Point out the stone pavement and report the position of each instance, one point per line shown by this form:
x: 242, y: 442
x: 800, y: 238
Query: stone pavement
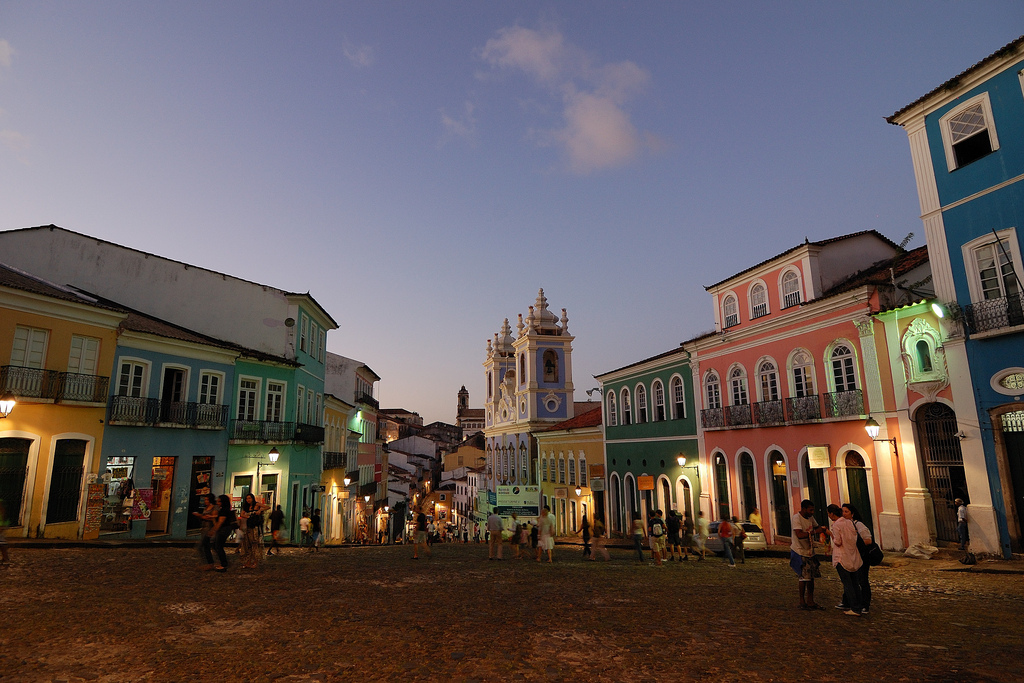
x: 147, y: 614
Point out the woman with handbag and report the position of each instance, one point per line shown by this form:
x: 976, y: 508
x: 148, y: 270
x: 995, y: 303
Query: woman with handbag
x: 221, y: 529
x: 864, y: 540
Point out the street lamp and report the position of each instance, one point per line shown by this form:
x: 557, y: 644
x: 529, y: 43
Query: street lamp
x: 274, y: 454
x: 579, y: 491
x: 7, y: 404
x: 872, y: 428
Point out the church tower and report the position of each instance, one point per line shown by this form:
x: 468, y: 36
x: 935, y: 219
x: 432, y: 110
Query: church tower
x: 463, y: 400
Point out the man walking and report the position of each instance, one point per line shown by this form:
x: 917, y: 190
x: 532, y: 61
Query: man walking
x: 316, y: 533
x: 494, y: 526
x: 657, y: 534
x: 276, y: 522
x: 961, y: 523
x: 801, y: 553
x: 420, y: 538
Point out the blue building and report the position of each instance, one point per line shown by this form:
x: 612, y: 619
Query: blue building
x: 967, y: 144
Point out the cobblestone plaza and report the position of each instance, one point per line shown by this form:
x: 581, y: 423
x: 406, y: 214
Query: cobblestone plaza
x: 148, y: 614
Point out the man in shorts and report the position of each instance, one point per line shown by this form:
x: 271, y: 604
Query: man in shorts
x: 801, y: 553
x: 420, y: 539
x: 673, y: 523
x: 657, y: 531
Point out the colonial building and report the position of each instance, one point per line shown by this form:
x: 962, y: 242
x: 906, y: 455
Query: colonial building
x: 469, y: 420
x: 529, y: 387
x: 967, y: 146
x: 569, y: 451
x: 651, y: 446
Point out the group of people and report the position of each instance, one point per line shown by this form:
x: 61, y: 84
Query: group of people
x: 849, y: 539
x: 219, y: 521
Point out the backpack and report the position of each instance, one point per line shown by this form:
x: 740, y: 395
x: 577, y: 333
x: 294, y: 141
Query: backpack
x: 869, y: 552
x: 656, y: 527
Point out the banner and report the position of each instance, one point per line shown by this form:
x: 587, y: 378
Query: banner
x: 522, y: 500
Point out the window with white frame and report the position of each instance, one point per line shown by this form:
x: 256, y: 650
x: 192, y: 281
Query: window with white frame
x: 29, y: 349
x: 300, y: 404
x: 712, y: 390
x: 730, y: 311
x: 613, y: 415
x: 561, y: 469
x: 209, y: 388
x: 769, y: 379
x: 790, y: 289
x: 658, y: 389
x: 758, y: 300
x: 248, y: 390
x: 304, y: 334
x: 524, y: 464
x: 84, y: 355
x: 803, y: 374
x: 551, y: 466
x: 968, y: 132
x: 678, y: 399
x: 275, y: 402
x: 131, y: 379
x: 738, y: 386
x: 641, y: 404
x: 583, y: 470
x: 994, y: 276
x: 627, y: 408
x: 572, y: 470
x: 844, y: 374
x: 310, y: 407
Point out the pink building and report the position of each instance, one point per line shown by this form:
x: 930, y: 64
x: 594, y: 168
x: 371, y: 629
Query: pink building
x: 807, y: 347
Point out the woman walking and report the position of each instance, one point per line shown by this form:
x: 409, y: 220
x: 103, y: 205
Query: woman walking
x: 546, y: 523
x: 638, y: 538
x: 221, y: 529
x: 208, y: 516
x: 598, y: 541
x: 252, y: 513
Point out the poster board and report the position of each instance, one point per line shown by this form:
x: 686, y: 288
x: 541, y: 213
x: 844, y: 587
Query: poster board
x: 522, y: 500
x: 93, y: 510
x: 143, y: 503
x: 818, y: 457
x: 645, y: 482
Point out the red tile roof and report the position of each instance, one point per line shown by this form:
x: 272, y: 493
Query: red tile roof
x: 591, y: 418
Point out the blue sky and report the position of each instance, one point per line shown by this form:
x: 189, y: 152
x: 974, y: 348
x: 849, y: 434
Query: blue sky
x: 422, y: 168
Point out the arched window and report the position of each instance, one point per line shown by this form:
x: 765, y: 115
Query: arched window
x: 803, y: 374
x: 843, y: 373
x: 790, y: 289
x: 627, y: 408
x: 730, y: 311
x: 641, y: 404
x: 583, y: 470
x: 769, y: 379
x: 522, y: 365
x: 613, y: 414
x: 758, y: 300
x: 490, y: 385
x: 738, y: 386
x: 678, y: 399
x: 924, y: 356
x: 561, y: 469
x: 572, y: 470
x: 722, y: 486
x: 712, y: 390
x: 659, y: 400
x: 550, y: 366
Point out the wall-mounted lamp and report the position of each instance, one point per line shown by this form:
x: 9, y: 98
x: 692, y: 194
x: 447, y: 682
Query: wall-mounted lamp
x: 590, y: 392
x: 347, y: 481
x: 273, y: 455
x: 579, y: 491
x: 872, y: 428
x: 7, y: 404
x: 938, y: 310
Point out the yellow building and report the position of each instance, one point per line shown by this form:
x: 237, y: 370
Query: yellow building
x: 567, y: 450
x: 341, y: 451
x: 56, y: 356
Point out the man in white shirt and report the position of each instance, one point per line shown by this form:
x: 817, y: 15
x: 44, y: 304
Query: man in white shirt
x: 801, y: 553
x: 494, y: 526
x: 961, y: 523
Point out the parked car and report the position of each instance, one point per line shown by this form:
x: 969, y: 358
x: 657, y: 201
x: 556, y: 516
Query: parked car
x: 755, y: 539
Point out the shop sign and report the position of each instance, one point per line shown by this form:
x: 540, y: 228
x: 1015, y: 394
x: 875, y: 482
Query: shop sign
x: 818, y: 458
x: 522, y: 500
x: 597, y: 471
x: 561, y: 493
x: 645, y: 482
x: 597, y: 485
x: 94, y: 510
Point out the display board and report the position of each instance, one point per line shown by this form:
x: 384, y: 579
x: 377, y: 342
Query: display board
x: 522, y: 500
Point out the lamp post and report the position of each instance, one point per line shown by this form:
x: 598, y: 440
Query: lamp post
x: 273, y: 455
x: 7, y: 404
x: 872, y: 428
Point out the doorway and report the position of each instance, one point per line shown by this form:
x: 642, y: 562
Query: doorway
x: 943, y: 465
x: 172, y: 398
x: 815, y: 478
x: 162, y: 483
x: 780, y: 495
x: 1013, y: 441
x: 722, y: 486
x: 199, y: 488
x: 857, y: 488
x: 748, y: 486
x: 13, y: 472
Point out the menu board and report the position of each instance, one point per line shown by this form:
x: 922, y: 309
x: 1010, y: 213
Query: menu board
x: 202, y: 473
x: 94, y: 510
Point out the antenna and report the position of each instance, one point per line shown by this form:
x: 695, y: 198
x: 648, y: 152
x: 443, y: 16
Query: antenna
x: 906, y: 240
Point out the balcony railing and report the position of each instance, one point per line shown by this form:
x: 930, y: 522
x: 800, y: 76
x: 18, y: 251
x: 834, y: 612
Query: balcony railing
x: 787, y: 411
x: 769, y: 413
x: 154, y: 412
x: 51, y: 384
x: 994, y: 314
x: 334, y: 460
x: 262, y: 430
x: 363, y: 397
x: 844, y: 403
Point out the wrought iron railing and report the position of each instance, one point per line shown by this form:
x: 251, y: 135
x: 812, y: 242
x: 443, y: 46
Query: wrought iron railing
x: 51, y: 384
x: 309, y: 433
x: 738, y: 415
x: 994, y: 314
x: 803, y: 408
x: 363, y: 397
x: 334, y: 460
x: 710, y: 418
x: 769, y: 413
x: 844, y: 403
x: 261, y: 430
x: 154, y: 412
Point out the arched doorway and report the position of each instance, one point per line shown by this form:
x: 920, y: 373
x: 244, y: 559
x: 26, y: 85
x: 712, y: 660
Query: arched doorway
x: 748, y: 486
x: 684, y: 497
x: 1012, y: 436
x: 665, y: 502
x: 632, y: 504
x: 722, y: 486
x: 943, y: 465
x: 616, y: 503
x: 857, y: 487
x: 815, y: 478
x: 780, y: 495
x: 13, y: 471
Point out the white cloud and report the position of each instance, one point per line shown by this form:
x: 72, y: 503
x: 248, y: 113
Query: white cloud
x: 6, y: 53
x: 462, y: 127
x: 598, y: 132
x: 358, y: 55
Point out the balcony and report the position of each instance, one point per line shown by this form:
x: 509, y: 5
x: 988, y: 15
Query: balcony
x: 152, y: 412
x: 797, y: 410
x: 994, y: 314
x: 334, y: 460
x: 363, y: 397
x: 262, y: 430
x: 53, y: 385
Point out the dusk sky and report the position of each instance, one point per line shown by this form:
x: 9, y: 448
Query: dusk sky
x: 422, y: 168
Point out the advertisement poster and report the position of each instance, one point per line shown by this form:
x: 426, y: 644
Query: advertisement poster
x: 522, y: 500
x: 202, y: 470
x: 143, y: 503
x: 93, y: 510
x: 817, y: 457
x: 645, y: 482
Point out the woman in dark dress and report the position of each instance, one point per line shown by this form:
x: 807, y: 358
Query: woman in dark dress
x: 221, y: 529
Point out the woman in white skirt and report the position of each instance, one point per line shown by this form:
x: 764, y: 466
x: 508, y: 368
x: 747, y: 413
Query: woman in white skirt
x: 546, y: 526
